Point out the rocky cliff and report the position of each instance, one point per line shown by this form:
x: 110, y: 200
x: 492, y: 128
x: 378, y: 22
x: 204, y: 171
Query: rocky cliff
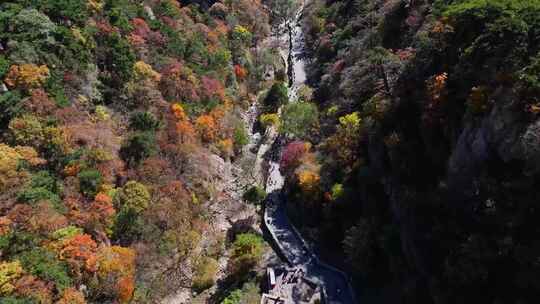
x: 434, y: 198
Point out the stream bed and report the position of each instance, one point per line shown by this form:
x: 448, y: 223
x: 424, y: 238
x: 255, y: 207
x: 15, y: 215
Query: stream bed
x: 335, y: 284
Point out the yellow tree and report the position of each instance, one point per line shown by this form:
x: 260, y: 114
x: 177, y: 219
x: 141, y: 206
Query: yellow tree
x: 9, y: 272
x: 206, y: 126
x: 345, y: 143
x: 144, y: 71
x: 10, y: 157
x: 116, y: 272
x: 27, y: 76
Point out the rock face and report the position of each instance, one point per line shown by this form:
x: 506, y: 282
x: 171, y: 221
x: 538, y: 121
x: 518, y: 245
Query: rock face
x: 497, y: 135
x: 450, y: 153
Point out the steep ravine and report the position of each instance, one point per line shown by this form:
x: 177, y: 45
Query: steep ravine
x: 334, y: 283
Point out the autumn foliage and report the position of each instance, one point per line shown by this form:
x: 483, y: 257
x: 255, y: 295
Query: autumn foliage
x: 116, y: 269
x: 240, y: 72
x: 308, y: 181
x: 80, y: 252
x: 27, y: 76
x: 112, y: 116
x: 207, y: 128
x: 178, y: 111
x: 9, y: 273
x: 72, y: 296
x: 292, y: 155
x: 178, y: 82
x: 144, y: 71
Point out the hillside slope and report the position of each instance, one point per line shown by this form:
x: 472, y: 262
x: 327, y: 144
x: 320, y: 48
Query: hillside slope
x: 421, y: 171
x: 120, y: 125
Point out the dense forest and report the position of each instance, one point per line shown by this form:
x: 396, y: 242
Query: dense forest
x: 137, y: 138
x: 117, y: 118
x: 421, y: 170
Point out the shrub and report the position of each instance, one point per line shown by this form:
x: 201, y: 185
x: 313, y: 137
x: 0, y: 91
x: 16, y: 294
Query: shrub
x: 4, y: 66
x: 292, y: 155
x: 12, y: 300
x: 205, y: 272
x: 275, y: 98
x: 308, y: 181
x: 331, y: 111
x: 206, y: 125
x: 12, y: 164
x: 27, y: 130
x: 102, y: 113
x: 271, y: 119
x: 118, y: 58
x: 530, y: 76
x: 177, y: 43
x: 89, y: 182
x: 27, y: 76
x: 144, y: 121
x: 247, y: 250
x: 240, y: 72
x: 79, y: 251
x: 178, y: 111
x: 219, y: 10
x: 241, y: 34
x: 143, y: 71
x: 17, y: 242
x: 254, y: 195
x: 77, y: 49
x: 225, y: 147
x: 44, y: 264
x: 345, y: 142
x: 72, y: 296
x: 9, y: 272
x: 95, y: 5
x: 128, y: 226
x: 359, y: 246
x: 10, y: 103
x: 133, y: 196
x: 336, y: 191
x: 350, y: 121
x: 118, y: 16
x: 55, y: 88
x: 168, y: 8
x: 219, y: 59
x: 97, y: 155
x: 35, y: 195
x: 116, y: 271
x: 233, y: 298
x: 299, y: 119
x: 30, y: 24
x: 138, y: 147
x: 66, y: 232
x: 249, y: 294
x: 305, y: 93
x: 45, y: 180
x: 240, y: 136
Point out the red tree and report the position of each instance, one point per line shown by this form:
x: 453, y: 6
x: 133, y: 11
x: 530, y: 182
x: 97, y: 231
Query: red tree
x: 178, y: 82
x: 240, y: 72
x: 292, y: 155
x: 211, y: 87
